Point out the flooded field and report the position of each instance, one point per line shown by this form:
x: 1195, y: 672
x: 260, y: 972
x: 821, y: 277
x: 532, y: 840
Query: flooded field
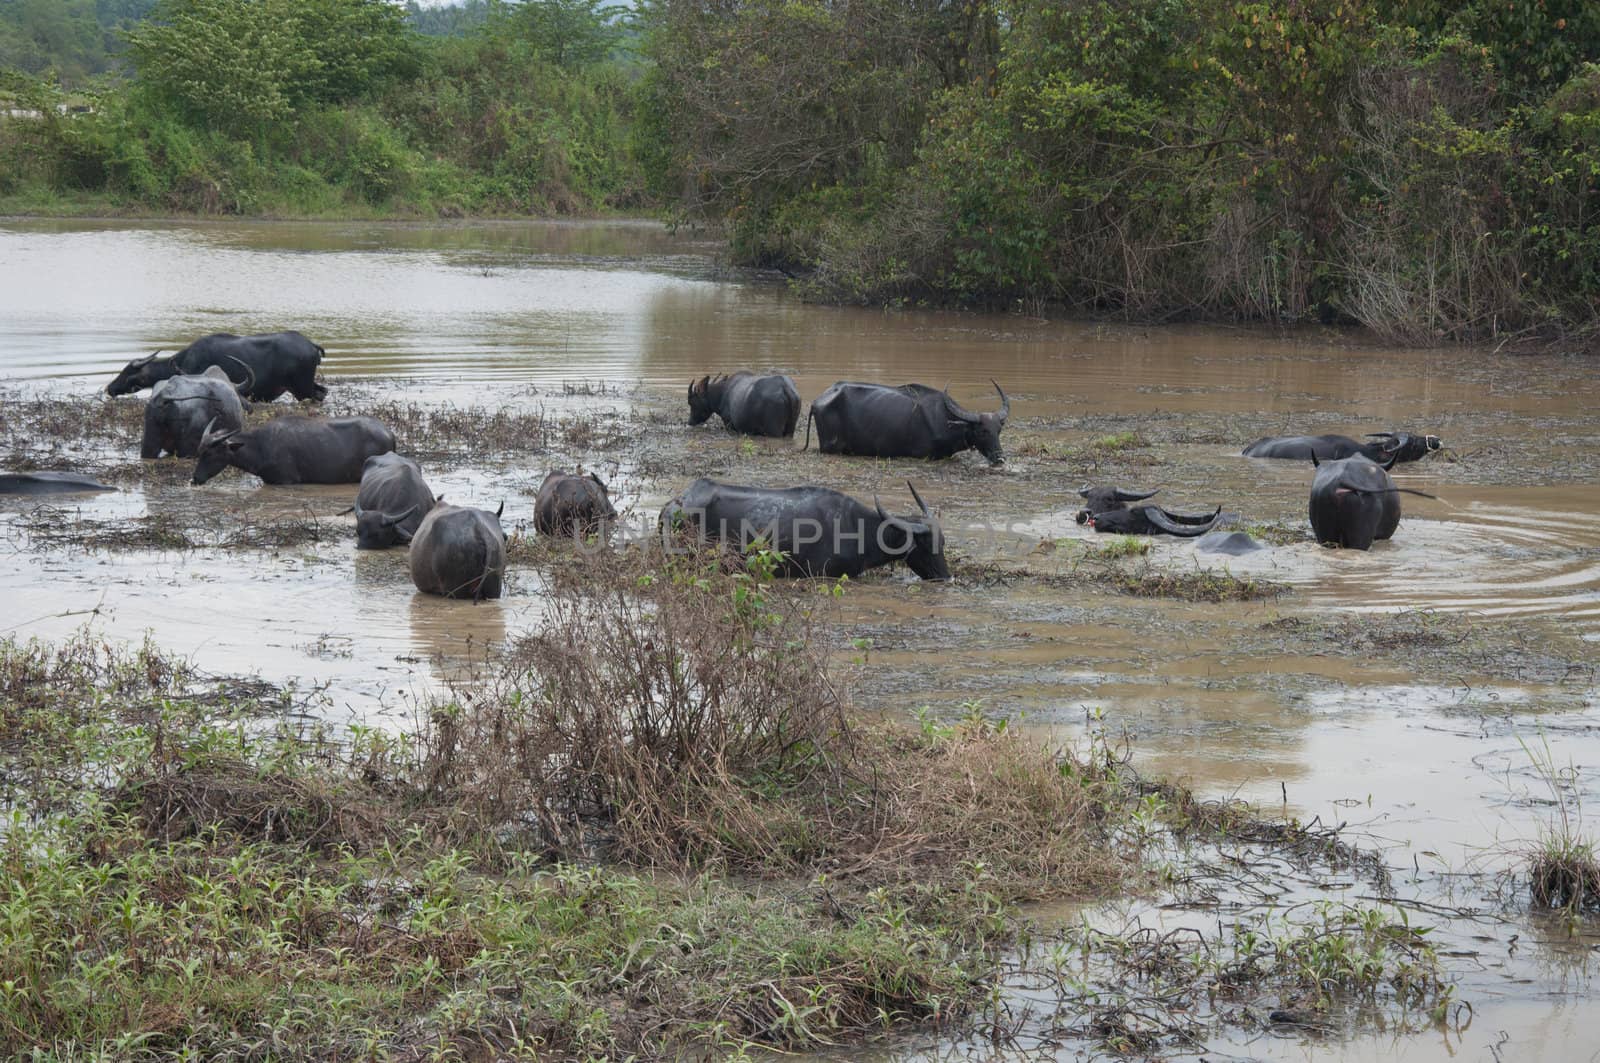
x: 1439, y: 694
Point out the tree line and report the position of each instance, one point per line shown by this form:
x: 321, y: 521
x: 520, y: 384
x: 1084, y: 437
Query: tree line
x: 1429, y: 169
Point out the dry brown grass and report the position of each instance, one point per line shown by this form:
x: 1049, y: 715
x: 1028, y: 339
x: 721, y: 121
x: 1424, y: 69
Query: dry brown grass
x: 315, y: 813
x: 677, y: 714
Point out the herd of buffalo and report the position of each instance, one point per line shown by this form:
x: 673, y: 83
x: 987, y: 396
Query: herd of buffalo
x: 197, y: 410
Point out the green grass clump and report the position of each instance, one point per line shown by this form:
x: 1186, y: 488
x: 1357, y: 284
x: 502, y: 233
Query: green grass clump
x: 183, y: 874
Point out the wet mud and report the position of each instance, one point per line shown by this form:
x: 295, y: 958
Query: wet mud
x: 1409, y: 692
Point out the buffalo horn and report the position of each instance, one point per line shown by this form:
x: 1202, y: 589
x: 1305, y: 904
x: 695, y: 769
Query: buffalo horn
x: 147, y: 360
x: 356, y: 509
x: 1181, y: 526
x: 1132, y: 496
x: 209, y: 438
x: 389, y: 522
x: 1380, y: 435
x: 877, y: 504
x: 920, y: 503
x: 1005, y: 403
x: 244, y: 391
x: 501, y: 510
x: 956, y: 412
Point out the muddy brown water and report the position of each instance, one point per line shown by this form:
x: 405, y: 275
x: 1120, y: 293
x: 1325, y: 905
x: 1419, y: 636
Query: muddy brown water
x: 1406, y: 691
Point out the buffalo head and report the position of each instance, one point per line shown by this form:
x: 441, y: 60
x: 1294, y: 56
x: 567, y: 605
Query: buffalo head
x: 216, y: 452
x: 1099, y: 500
x: 701, y: 405
x: 1404, y: 446
x: 141, y: 373
x: 376, y: 529
x: 923, y: 551
x: 983, y: 429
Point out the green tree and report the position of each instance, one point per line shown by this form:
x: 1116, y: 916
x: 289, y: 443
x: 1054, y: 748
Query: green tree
x: 569, y: 33
x: 238, y: 65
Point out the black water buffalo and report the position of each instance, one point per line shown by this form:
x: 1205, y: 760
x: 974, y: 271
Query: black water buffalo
x: 296, y: 450
x: 819, y: 531
x: 1353, y: 503
x: 1106, y: 509
x: 48, y: 483
x: 459, y: 552
x: 572, y: 504
x: 755, y: 405
x: 269, y: 365
x: 1390, y: 447
x: 1153, y: 520
x: 909, y: 421
x: 182, y: 406
x: 391, y: 503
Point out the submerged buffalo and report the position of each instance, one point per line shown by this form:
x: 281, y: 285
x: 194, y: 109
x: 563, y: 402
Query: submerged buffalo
x: 1106, y: 509
x: 295, y: 450
x: 48, y: 483
x: 820, y: 532
x: 1387, y: 448
x: 1353, y: 503
x: 182, y: 406
x: 755, y: 405
x: 572, y: 504
x: 1233, y: 544
x: 268, y: 365
x: 909, y: 421
x: 391, y: 503
x: 459, y: 552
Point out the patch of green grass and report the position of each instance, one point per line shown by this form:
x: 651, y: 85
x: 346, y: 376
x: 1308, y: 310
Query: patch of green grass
x: 1201, y: 585
x: 1120, y: 546
x: 182, y: 874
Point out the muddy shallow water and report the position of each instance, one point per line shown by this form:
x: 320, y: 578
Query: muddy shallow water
x: 1400, y: 690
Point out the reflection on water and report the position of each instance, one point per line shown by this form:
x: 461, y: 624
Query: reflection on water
x: 504, y: 314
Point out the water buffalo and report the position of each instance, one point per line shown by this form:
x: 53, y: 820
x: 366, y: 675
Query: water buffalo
x: 1233, y: 544
x: 48, y: 483
x: 276, y: 362
x: 910, y: 421
x: 295, y: 450
x: 1153, y: 520
x: 182, y: 406
x: 1389, y: 448
x: 819, y: 531
x: 459, y: 552
x: 574, y: 505
x: 1353, y: 503
x: 1106, y: 499
x: 755, y: 405
x: 1106, y: 509
x: 391, y: 503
